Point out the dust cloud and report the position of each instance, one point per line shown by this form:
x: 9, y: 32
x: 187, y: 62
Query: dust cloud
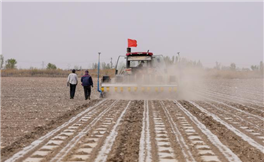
x: 187, y: 81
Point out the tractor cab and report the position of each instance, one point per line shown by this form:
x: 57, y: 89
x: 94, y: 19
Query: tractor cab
x: 136, y: 61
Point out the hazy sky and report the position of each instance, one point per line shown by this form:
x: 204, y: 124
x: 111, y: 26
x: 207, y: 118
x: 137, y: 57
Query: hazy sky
x: 72, y: 33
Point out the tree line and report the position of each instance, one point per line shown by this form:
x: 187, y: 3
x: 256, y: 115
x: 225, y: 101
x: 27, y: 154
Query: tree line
x: 233, y: 67
x: 197, y: 64
x: 11, y: 64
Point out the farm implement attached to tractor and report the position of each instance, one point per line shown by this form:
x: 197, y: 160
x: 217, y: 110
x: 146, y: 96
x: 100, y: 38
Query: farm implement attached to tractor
x: 138, y: 72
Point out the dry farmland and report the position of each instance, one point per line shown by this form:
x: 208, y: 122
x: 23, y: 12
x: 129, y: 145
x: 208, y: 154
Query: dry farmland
x: 223, y: 122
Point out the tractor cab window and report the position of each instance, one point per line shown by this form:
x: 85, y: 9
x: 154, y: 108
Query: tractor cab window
x: 138, y: 61
x: 121, y: 65
x: 139, y: 64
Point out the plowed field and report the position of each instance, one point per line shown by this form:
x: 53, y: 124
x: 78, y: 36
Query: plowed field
x: 40, y: 123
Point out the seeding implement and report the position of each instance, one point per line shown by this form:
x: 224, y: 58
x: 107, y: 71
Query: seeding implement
x: 138, y: 72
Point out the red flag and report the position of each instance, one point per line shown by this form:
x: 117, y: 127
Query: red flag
x: 132, y: 43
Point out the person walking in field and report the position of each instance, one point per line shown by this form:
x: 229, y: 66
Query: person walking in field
x: 87, y: 83
x: 72, y: 82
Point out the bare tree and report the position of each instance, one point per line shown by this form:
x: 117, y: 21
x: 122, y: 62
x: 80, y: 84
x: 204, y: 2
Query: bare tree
x: 217, y: 65
x: 1, y: 61
x: 254, y: 67
x: 261, y: 67
x: 232, y: 66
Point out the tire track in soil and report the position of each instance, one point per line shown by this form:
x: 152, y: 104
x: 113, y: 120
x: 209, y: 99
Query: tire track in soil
x: 126, y: 144
x: 241, y: 148
x: 19, y: 146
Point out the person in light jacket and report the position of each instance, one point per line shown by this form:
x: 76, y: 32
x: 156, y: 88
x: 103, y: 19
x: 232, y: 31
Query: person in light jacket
x: 87, y: 83
x: 72, y: 82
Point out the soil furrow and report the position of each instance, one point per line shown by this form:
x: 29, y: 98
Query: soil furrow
x: 88, y: 147
x: 47, y: 131
x: 229, y: 96
x: 208, y: 139
x: 241, y: 148
x: 54, y: 144
x: 237, y: 110
x: 167, y: 143
x: 256, y: 110
x: 80, y: 134
x: 252, y: 128
x: 145, y: 143
x: 126, y: 145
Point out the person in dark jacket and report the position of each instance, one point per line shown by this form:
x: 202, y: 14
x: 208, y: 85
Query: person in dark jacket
x: 87, y: 83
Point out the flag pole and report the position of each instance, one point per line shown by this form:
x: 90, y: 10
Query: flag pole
x: 98, y: 75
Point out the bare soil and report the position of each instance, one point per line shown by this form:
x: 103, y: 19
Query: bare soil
x: 240, y: 147
x: 126, y: 146
x: 30, y: 107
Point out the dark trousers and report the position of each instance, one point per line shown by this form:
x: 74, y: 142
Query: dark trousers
x: 87, y: 91
x: 72, y: 90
